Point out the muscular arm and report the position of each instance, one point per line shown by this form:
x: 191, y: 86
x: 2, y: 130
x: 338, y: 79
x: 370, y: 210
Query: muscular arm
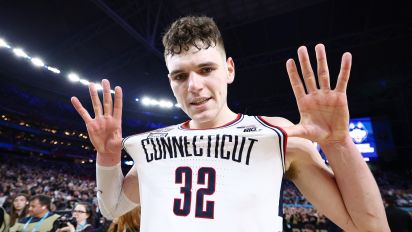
x: 324, y: 118
x: 347, y: 193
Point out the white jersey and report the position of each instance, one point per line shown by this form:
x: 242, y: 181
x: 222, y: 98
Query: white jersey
x: 221, y: 179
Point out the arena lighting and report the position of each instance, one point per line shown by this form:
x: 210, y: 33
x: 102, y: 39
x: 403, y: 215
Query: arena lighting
x: 146, y: 101
x: 98, y: 86
x: 53, y: 69
x: 73, y: 77
x: 20, y: 53
x: 37, y: 62
x: 85, y: 82
x: 128, y: 162
x: 4, y: 44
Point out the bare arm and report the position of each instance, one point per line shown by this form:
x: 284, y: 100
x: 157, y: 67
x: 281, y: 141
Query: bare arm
x: 325, y: 119
x: 116, y: 194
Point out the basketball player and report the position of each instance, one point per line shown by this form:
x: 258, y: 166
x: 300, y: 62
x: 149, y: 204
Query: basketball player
x: 222, y: 171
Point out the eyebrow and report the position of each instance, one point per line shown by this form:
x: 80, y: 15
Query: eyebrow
x: 206, y: 64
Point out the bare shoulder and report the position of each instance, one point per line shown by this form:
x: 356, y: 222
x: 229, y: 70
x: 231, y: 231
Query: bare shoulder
x: 299, y: 151
x: 278, y: 121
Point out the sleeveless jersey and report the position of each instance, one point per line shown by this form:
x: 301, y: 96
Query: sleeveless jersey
x: 221, y: 179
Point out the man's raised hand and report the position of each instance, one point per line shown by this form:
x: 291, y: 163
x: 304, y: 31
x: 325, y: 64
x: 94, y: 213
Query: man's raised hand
x: 324, y: 114
x: 105, y: 129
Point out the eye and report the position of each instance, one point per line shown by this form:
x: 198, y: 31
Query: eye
x: 179, y: 77
x: 206, y: 70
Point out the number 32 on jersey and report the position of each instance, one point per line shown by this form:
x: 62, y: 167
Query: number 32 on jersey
x: 205, y: 176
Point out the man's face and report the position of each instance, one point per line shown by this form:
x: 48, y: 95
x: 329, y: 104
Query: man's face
x: 199, y: 80
x: 36, y: 209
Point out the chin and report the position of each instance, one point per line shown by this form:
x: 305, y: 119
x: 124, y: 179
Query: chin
x: 202, y: 117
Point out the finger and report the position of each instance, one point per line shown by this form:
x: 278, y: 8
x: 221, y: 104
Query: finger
x: 323, y: 70
x: 81, y: 110
x: 307, y: 71
x: 344, y: 73
x: 97, y: 105
x: 118, y: 103
x: 107, y: 98
x: 294, y: 131
x: 297, y: 86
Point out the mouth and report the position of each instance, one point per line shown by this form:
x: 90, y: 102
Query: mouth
x: 200, y: 101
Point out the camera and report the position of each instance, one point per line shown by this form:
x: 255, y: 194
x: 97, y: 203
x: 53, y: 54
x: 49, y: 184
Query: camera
x: 64, y: 219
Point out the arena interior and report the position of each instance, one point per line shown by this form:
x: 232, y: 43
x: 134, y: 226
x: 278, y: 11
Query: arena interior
x: 50, y: 51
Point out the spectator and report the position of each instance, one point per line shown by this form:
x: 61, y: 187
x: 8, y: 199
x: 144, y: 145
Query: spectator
x: 84, y: 215
x: 40, y: 219
x: 4, y: 220
x: 398, y: 219
x: 19, y: 209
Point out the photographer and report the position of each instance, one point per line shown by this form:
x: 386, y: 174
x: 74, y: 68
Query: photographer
x: 83, y: 216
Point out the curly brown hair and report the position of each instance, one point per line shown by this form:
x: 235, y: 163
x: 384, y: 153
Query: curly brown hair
x: 198, y: 31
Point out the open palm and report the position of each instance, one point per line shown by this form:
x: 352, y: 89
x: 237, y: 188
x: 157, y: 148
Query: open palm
x: 105, y: 129
x: 324, y: 114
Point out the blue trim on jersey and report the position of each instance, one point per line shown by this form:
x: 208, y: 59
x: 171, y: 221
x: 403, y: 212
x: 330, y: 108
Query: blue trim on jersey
x: 281, y: 135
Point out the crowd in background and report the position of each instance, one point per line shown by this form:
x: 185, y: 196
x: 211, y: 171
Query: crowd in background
x: 67, y: 183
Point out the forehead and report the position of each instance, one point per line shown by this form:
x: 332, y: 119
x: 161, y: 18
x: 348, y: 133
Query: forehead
x: 20, y: 198
x: 80, y: 207
x: 35, y: 202
x: 194, y: 57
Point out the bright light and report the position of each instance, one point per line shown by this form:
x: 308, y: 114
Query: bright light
x: 146, y: 101
x: 165, y: 104
x: 137, y: 99
x: 73, y: 77
x: 111, y: 91
x: 37, y: 62
x: 55, y: 70
x: 98, y: 86
x: 20, y: 53
x: 366, y: 159
x: 177, y: 105
x: 84, y: 82
x: 128, y: 162
x: 154, y: 102
x: 4, y: 43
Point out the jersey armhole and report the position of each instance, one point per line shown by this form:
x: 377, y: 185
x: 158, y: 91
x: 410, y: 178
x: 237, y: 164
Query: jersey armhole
x: 283, y: 138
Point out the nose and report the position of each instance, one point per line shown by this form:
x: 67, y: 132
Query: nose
x: 195, y: 83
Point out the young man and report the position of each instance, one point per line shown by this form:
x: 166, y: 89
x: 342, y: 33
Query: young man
x: 222, y: 171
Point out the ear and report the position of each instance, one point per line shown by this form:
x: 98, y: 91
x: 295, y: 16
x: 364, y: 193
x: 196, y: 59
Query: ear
x: 230, y: 70
x: 43, y: 207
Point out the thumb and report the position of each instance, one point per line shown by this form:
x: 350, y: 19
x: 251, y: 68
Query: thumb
x: 294, y: 131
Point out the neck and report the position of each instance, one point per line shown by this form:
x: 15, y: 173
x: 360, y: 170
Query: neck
x: 223, y: 118
x: 42, y: 214
x: 82, y: 223
x: 19, y: 211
